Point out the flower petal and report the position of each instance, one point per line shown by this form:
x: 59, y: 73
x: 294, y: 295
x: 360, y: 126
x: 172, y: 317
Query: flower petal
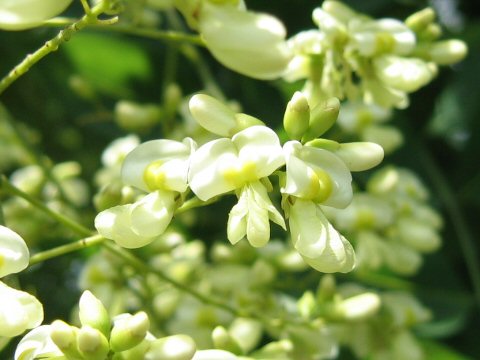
x: 14, y: 255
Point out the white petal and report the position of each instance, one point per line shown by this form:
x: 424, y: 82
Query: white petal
x: 24, y: 14
x: 14, y: 255
x: 237, y: 222
x: 19, y: 311
x: 138, y: 159
x: 212, y: 115
x: 214, y: 355
x: 115, y: 224
x: 151, y: 215
x: 36, y: 343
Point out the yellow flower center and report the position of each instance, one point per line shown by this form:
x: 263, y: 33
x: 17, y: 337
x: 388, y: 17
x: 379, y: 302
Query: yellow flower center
x: 2, y: 260
x: 154, y: 176
x: 384, y: 42
x: 320, y: 186
x: 240, y: 174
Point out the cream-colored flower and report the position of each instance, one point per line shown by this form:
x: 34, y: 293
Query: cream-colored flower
x: 25, y: 14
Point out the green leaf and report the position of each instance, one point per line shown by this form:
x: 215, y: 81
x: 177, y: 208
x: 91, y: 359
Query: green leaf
x: 109, y: 63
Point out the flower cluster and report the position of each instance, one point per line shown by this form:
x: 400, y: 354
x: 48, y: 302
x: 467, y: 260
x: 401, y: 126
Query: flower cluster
x: 391, y: 224
x: 389, y: 57
x: 317, y: 173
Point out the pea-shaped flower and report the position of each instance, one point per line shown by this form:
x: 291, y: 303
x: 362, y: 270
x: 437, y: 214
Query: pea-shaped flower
x: 250, y: 43
x: 239, y: 163
x: 19, y: 310
x: 25, y: 14
x: 159, y: 167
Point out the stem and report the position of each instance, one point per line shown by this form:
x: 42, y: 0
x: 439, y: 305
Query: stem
x: 52, y: 45
x: 65, y: 249
x: 194, y: 203
x: 13, y: 190
x: 143, y: 267
x: 467, y: 243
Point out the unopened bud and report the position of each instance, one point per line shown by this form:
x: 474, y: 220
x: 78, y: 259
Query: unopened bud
x: 212, y: 115
x: 246, y: 332
x: 360, y: 156
x: 448, y: 52
x: 326, y: 289
x: 65, y: 337
x: 297, y: 116
x: 222, y: 340
x: 176, y: 347
x: 307, y: 304
x: 357, y: 307
x: 171, y: 99
x: 421, y: 19
x: 93, y: 313
x: 92, y: 344
x: 322, y: 118
x: 244, y: 121
x: 418, y: 235
x: 129, y: 331
x: 132, y: 116
x: 431, y: 33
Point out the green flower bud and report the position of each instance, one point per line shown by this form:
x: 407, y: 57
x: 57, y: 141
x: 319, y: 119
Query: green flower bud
x: 171, y: 99
x: 65, y: 337
x: 244, y: 121
x: 388, y: 137
x: 307, y: 305
x: 176, y: 347
x: 326, y: 144
x: 93, y: 313
x: 447, y: 52
x: 326, y: 289
x: 262, y: 272
x: 360, y: 156
x: 132, y: 116
x: 109, y: 196
x: 274, y: 350
x: 418, y: 235
x: 431, y: 33
x: 246, y: 332
x: 212, y: 114
x: 421, y: 19
x: 322, y: 117
x: 297, y: 116
x: 92, y: 344
x: 357, y: 307
x: 129, y: 331
x: 222, y: 340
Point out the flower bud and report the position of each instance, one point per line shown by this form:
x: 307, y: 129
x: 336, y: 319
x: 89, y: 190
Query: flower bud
x: 322, y: 117
x: 359, y: 307
x: 244, y: 121
x: 431, y: 33
x: 421, y: 19
x: 93, y: 313
x: 297, y: 116
x: 214, y: 355
x: 65, y: 337
x: 307, y: 305
x: 447, y: 52
x: 20, y: 15
x: 405, y: 74
x: 212, y: 115
x: 275, y: 350
x: 172, y: 97
x: 222, y: 340
x: 388, y: 137
x: 132, y: 116
x: 360, y: 156
x: 246, y: 332
x: 176, y: 347
x: 92, y: 344
x: 418, y: 235
x: 129, y: 331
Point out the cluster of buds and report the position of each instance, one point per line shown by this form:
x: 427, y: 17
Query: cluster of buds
x: 317, y: 173
x: 391, y: 224
x: 390, y: 58
x: 125, y: 337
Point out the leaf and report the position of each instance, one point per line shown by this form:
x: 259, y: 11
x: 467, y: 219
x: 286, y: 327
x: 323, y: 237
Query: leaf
x: 110, y: 63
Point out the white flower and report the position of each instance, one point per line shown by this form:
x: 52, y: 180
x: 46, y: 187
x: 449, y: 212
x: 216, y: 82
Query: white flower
x: 19, y: 311
x: 214, y: 355
x: 24, y: 14
x: 138, y: 224
x: 159, y: 164
x: 116, y: 151
x: 37, y: 343
x: 14, y: 255
x: 224, y: 165
x: 318, y: 175
x: 250, y: 43
x: 320, y: 245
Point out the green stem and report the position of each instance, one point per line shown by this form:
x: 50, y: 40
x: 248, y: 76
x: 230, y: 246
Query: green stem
x: 43, y: 162
x: 465, y: 238
x: 194, y: 203
x: 65, y: 249
x: 9, y: 188
x: 53, y: 44
x: 143, y: 267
